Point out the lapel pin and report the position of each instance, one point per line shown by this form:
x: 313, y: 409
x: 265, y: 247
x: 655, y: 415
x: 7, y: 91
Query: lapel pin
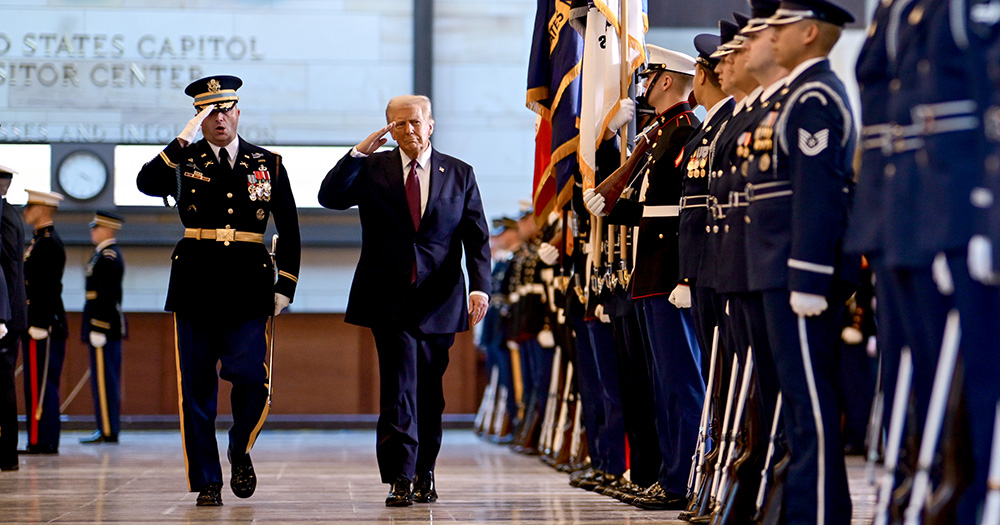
x: 441, y: 169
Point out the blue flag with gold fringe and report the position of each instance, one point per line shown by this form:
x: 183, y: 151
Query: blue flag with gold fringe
x: 554, y: 94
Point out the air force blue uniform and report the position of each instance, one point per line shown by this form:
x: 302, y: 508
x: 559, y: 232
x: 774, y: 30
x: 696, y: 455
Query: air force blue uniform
x: 798, y: 203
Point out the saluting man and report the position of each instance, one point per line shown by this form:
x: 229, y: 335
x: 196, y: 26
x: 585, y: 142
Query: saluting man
x: 103, y: 324
x: 222, y: 288
x: 45, y: 342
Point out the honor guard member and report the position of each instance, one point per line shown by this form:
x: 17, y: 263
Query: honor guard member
x: 670, y: 344
x: 911, y: 310
x: 103, y: 325
x: 45, y: 342
x: 13, y: 318
x: 797, y: 214
x: 222, y: 283
x: 691, y: 292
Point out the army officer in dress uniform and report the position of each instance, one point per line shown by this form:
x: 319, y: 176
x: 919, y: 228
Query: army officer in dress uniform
x: 45, y: 342
x: 103, y: 324
x: 222, y: 281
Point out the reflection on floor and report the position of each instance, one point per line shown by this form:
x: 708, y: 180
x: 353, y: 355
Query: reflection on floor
x: 311, y: 476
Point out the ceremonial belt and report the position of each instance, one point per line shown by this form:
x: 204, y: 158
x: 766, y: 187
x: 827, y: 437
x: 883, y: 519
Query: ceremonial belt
x: 929, y: 119
x: 767, y: 190
x: 533, y: 288
x: 694, y: 201
x: 661, y: 211
x: 737, y: 199
x: 222, y: 235
x: 891, y: 138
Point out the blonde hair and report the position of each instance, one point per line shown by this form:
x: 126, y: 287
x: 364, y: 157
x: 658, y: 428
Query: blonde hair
x: 409, y: 100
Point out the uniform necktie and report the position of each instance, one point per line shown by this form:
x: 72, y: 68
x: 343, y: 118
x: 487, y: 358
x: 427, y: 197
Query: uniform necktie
x: 413, y: 194
x: 224, y: 160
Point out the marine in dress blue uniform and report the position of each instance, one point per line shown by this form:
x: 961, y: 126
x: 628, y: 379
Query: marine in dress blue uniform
x: 797, y: 214
x: 103, y: 325
x: 13, y: 318
x: 44, y: 343
x: 222, y: 287
x: 669, y: 343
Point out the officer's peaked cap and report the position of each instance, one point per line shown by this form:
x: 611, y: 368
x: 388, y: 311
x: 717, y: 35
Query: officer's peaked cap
x: 219, y: 90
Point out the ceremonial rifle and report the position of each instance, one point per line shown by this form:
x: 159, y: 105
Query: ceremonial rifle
x: 991, y: 511
x: 894, y: 440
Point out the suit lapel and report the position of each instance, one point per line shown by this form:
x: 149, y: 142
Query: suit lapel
x: 438, y: 172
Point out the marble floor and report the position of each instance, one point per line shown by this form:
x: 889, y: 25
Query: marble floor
x: 311, y: 477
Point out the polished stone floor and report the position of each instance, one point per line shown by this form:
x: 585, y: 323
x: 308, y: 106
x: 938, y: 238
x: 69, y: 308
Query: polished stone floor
x: 310, y: 477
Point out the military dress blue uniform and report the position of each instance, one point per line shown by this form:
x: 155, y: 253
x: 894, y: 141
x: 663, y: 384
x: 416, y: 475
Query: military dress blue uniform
x: 911, y: 310
x: 692, y: 234
x: 44, y: 262
x: 953, y: 170
x: 222, y: 283
x: 670, y: 344
x: 798, y: 202
x: 14, y: 313
x: 102, y: 313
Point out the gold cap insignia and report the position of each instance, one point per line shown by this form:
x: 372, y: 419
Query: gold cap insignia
x: 214, y: 86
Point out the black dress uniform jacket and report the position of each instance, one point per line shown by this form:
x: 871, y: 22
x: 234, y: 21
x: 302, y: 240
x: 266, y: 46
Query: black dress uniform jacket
x: 44, y: 262
x: 692, y: 236
x: 103, y: 310
x: 13, y: 312
x: 657, y: 256
x: 219, y: 277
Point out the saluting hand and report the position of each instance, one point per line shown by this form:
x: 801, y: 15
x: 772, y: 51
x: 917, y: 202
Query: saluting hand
x: 191, y: 129
x: 477, y: 308
x: 375, y: 141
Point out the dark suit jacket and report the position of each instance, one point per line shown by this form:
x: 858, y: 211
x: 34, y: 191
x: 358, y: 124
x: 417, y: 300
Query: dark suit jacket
x: 381, y: 294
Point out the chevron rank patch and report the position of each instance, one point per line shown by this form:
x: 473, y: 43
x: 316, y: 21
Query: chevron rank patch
x: 813, y: 143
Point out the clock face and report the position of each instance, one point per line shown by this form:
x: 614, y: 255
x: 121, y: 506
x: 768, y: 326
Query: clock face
x: 82, y: 175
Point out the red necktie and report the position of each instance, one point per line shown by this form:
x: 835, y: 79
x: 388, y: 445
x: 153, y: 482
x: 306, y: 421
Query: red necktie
x: 413, y: 194
x: 413, y: 199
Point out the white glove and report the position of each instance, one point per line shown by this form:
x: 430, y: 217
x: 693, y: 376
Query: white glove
x: 851, y: 335
x: 280, y: 302
x: 942, y: 274
x: 546, y: 339
x: 624, y: 115
x: 548, y: 253
x: 37, y: 333
x: 807, y: 304
x: 193, y: 125
x: 681, y: 296
x: 981, y: 259
x: 98, y: 340
x: 599, y: 313
x: 3, y: 330
x: 594, y: 202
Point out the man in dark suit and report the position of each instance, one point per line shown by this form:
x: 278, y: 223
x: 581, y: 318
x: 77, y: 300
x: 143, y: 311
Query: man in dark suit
x: 45, y: 341
x: 420, y: 210
x: 13, y: 318
x: 222, y: 280
x: 103, y: 324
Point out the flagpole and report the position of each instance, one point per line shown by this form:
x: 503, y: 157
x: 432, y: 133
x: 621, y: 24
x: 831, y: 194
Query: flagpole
x: 626, y: 77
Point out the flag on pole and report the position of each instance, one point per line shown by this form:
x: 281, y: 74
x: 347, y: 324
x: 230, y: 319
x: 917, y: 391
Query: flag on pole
x: 554, y: 94
x: 602, y: 71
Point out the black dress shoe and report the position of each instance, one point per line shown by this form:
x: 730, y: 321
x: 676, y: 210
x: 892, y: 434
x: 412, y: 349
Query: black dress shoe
x: 399, y: 493
x: 243, y: 480
x: 423, y: 488
x: 655, y: 498
x: 99, y: 438
x: 11, y: 466
x: 210, y: 496
x: 39, y: 449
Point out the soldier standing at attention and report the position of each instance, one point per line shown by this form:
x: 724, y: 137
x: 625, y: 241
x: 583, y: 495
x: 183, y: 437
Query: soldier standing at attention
x: 222, y: 289
x: 799, y: 197
x: 104, y: 324
x: 13, y: 318
x: 45, y: 342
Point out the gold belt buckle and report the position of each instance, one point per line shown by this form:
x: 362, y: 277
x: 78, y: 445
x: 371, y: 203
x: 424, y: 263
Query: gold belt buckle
x: 225, y: 235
